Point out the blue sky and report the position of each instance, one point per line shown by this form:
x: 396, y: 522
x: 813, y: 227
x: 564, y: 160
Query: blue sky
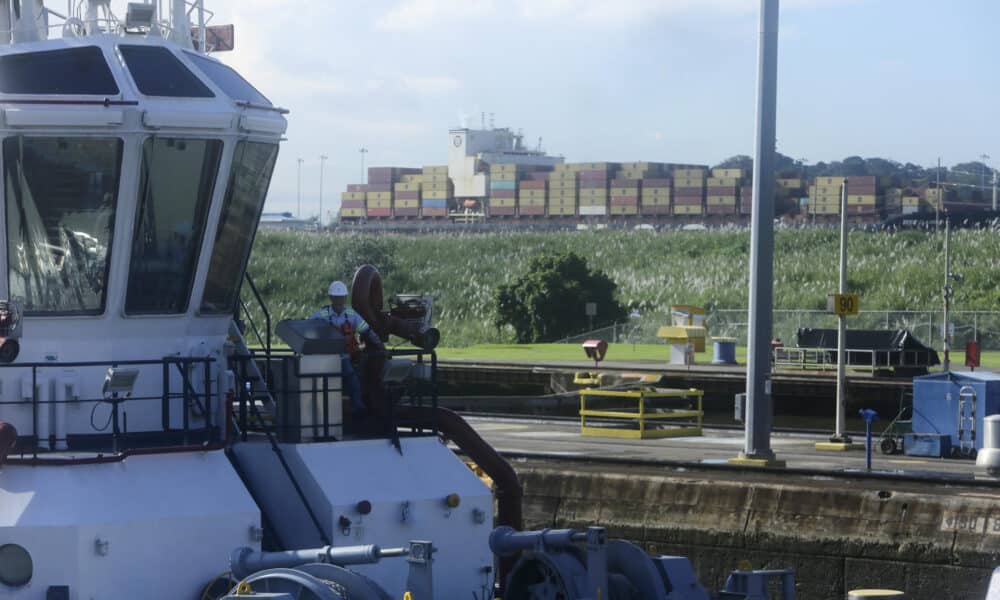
x: 659, y: 80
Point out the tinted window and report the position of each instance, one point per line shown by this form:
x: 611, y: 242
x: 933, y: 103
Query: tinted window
x: 72, y: 71
x: 248, y: 183
x: 175, y: 190
x: 61, y: 195
x: 228, y: 80
x: 157, y: 72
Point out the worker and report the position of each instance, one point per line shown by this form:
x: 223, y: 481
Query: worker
x: 350, y: 324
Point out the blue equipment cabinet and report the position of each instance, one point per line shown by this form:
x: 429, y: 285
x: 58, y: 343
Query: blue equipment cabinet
x: 955, y: 403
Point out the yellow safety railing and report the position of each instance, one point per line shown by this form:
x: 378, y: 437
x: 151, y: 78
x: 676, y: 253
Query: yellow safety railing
x: 656, y: 414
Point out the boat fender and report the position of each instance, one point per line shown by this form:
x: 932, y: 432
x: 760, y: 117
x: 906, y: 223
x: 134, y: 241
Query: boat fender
x: 8, y: 437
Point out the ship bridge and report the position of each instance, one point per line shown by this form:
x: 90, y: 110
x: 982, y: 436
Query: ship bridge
x: 135, y: 170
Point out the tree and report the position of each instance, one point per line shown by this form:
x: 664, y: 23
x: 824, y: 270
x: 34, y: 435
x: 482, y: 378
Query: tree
x: 549, y: 300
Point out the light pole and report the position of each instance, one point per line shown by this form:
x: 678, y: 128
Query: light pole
x: 363, y: 151
x: 298, y: 192
x: 985, y: 158
x: 322, y: 161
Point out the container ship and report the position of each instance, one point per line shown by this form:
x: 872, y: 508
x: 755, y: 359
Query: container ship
x: 491, y: 177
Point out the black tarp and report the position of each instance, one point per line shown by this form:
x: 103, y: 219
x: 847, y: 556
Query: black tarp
x: 896, y: 341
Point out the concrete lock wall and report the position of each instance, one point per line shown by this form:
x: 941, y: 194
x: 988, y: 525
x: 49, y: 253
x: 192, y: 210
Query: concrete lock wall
x: 839, y: 535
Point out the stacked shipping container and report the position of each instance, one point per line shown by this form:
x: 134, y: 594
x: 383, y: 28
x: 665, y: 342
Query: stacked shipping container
x: 406, y: 197
x: 437, y: 192
x: 531, y: 195
x: 824, y: 196
x: 862, y: 196
x: 689, y: 191
x: 563, y: 190
x: 723, y: 189
x: 503, y: 190
x: 595, y: 181
x: 352, y: 202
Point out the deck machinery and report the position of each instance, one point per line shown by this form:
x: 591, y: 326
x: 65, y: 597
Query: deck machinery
x: 145, y: 452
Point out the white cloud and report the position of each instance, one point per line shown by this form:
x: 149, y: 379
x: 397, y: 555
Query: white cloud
x: 412, y: 15
x: 431, y: 86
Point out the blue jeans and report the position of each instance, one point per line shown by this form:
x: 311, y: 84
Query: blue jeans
x: 351, y: 385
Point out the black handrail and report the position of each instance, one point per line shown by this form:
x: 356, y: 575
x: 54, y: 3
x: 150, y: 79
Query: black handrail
x: 267, y: 325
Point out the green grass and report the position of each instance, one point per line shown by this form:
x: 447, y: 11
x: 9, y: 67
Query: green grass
x: 652, y: 353
x: 653, y: 270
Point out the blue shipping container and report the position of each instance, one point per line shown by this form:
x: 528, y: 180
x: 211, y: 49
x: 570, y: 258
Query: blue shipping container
x: 936, y: 398
x: 503, y: 185
x: 434, y: 203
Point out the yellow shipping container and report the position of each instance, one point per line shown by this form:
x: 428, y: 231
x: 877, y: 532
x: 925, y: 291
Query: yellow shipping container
x: 687, y: 210
x: 830, y: 181
x: 722, y: 181
x: 378, y: 196
x: 728, y: 174
x: 352, y: 212
x: 379, y: 204
x: 408, y: 203
x: 411, y: 178
x: 688, y: 182
x: 624, y: 210
x: 792, y: 184
x: 352, y: 196
x: 531, y: 202
x: 861, y: 200
x: 406, y: 187
x: 721, y: 200
x: 435, y: 170
x: 435, y: 194
x: 502, y: 202
x: 689, y: 174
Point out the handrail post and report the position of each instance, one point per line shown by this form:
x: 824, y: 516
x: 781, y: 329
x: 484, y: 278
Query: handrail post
x: 34, y: 409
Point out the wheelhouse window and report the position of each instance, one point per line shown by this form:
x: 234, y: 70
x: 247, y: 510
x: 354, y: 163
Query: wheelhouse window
x: 81, y: 71
x: 157, y: 72
x: 228, y: 80
x: 61, y: 194
x: 248, y: 182
x: 176, y: 182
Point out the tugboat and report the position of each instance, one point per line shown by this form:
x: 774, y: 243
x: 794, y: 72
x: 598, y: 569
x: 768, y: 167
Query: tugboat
x: 146, y: 451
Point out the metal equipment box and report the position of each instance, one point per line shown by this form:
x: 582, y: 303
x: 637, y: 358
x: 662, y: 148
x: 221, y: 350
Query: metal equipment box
x: 934, y: 445
x: 953, y: 403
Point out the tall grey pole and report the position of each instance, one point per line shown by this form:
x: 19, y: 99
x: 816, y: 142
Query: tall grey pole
x: 940, y: 197
x: 363, y: 151
x: 758, y: 422
x: 838, y: 434
x: 298, y: 191
x: 322, y: 161
x: 946, y: 365
x: 994, y: 190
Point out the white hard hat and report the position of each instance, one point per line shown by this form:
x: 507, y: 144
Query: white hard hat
x: 337, y: 288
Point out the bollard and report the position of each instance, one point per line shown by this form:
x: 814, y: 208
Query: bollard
x: 869, y: 416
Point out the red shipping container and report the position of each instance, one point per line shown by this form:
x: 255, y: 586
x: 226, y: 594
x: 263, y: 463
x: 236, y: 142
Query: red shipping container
x: 503, y: 194
x: 862, y: 180
x: 724, y: 190
x: 528, y: 184
x: 538, y: 176
x: 407, y: 212
x: 379, y: 187
x: 378, y: 212
x: 502, y: 211
x: 592, y: 175
x: 352, y: 204
x: 593, y: 184
x: 407, y: 195
x: 656, y: 183
x: 689, y: 191
x: 435, y: 212
x: 357, y: 187
x: 655, y: 209
x: 624, y: 200
x: 687, y: 201
x: 532, y: 211
x: 716, y: 209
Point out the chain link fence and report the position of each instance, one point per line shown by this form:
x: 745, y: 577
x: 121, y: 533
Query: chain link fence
x: 927, y: 326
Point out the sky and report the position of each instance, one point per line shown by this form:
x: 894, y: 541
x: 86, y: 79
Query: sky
x: 622, y: 80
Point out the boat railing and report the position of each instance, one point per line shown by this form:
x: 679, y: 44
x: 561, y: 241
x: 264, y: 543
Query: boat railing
x: 200, y: 422
x: 859, y: 359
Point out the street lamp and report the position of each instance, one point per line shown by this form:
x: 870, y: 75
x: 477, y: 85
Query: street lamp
x: 322, y: 161
x: 363, y: 151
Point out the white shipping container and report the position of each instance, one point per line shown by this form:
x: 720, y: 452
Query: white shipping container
x: 593, y: 210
